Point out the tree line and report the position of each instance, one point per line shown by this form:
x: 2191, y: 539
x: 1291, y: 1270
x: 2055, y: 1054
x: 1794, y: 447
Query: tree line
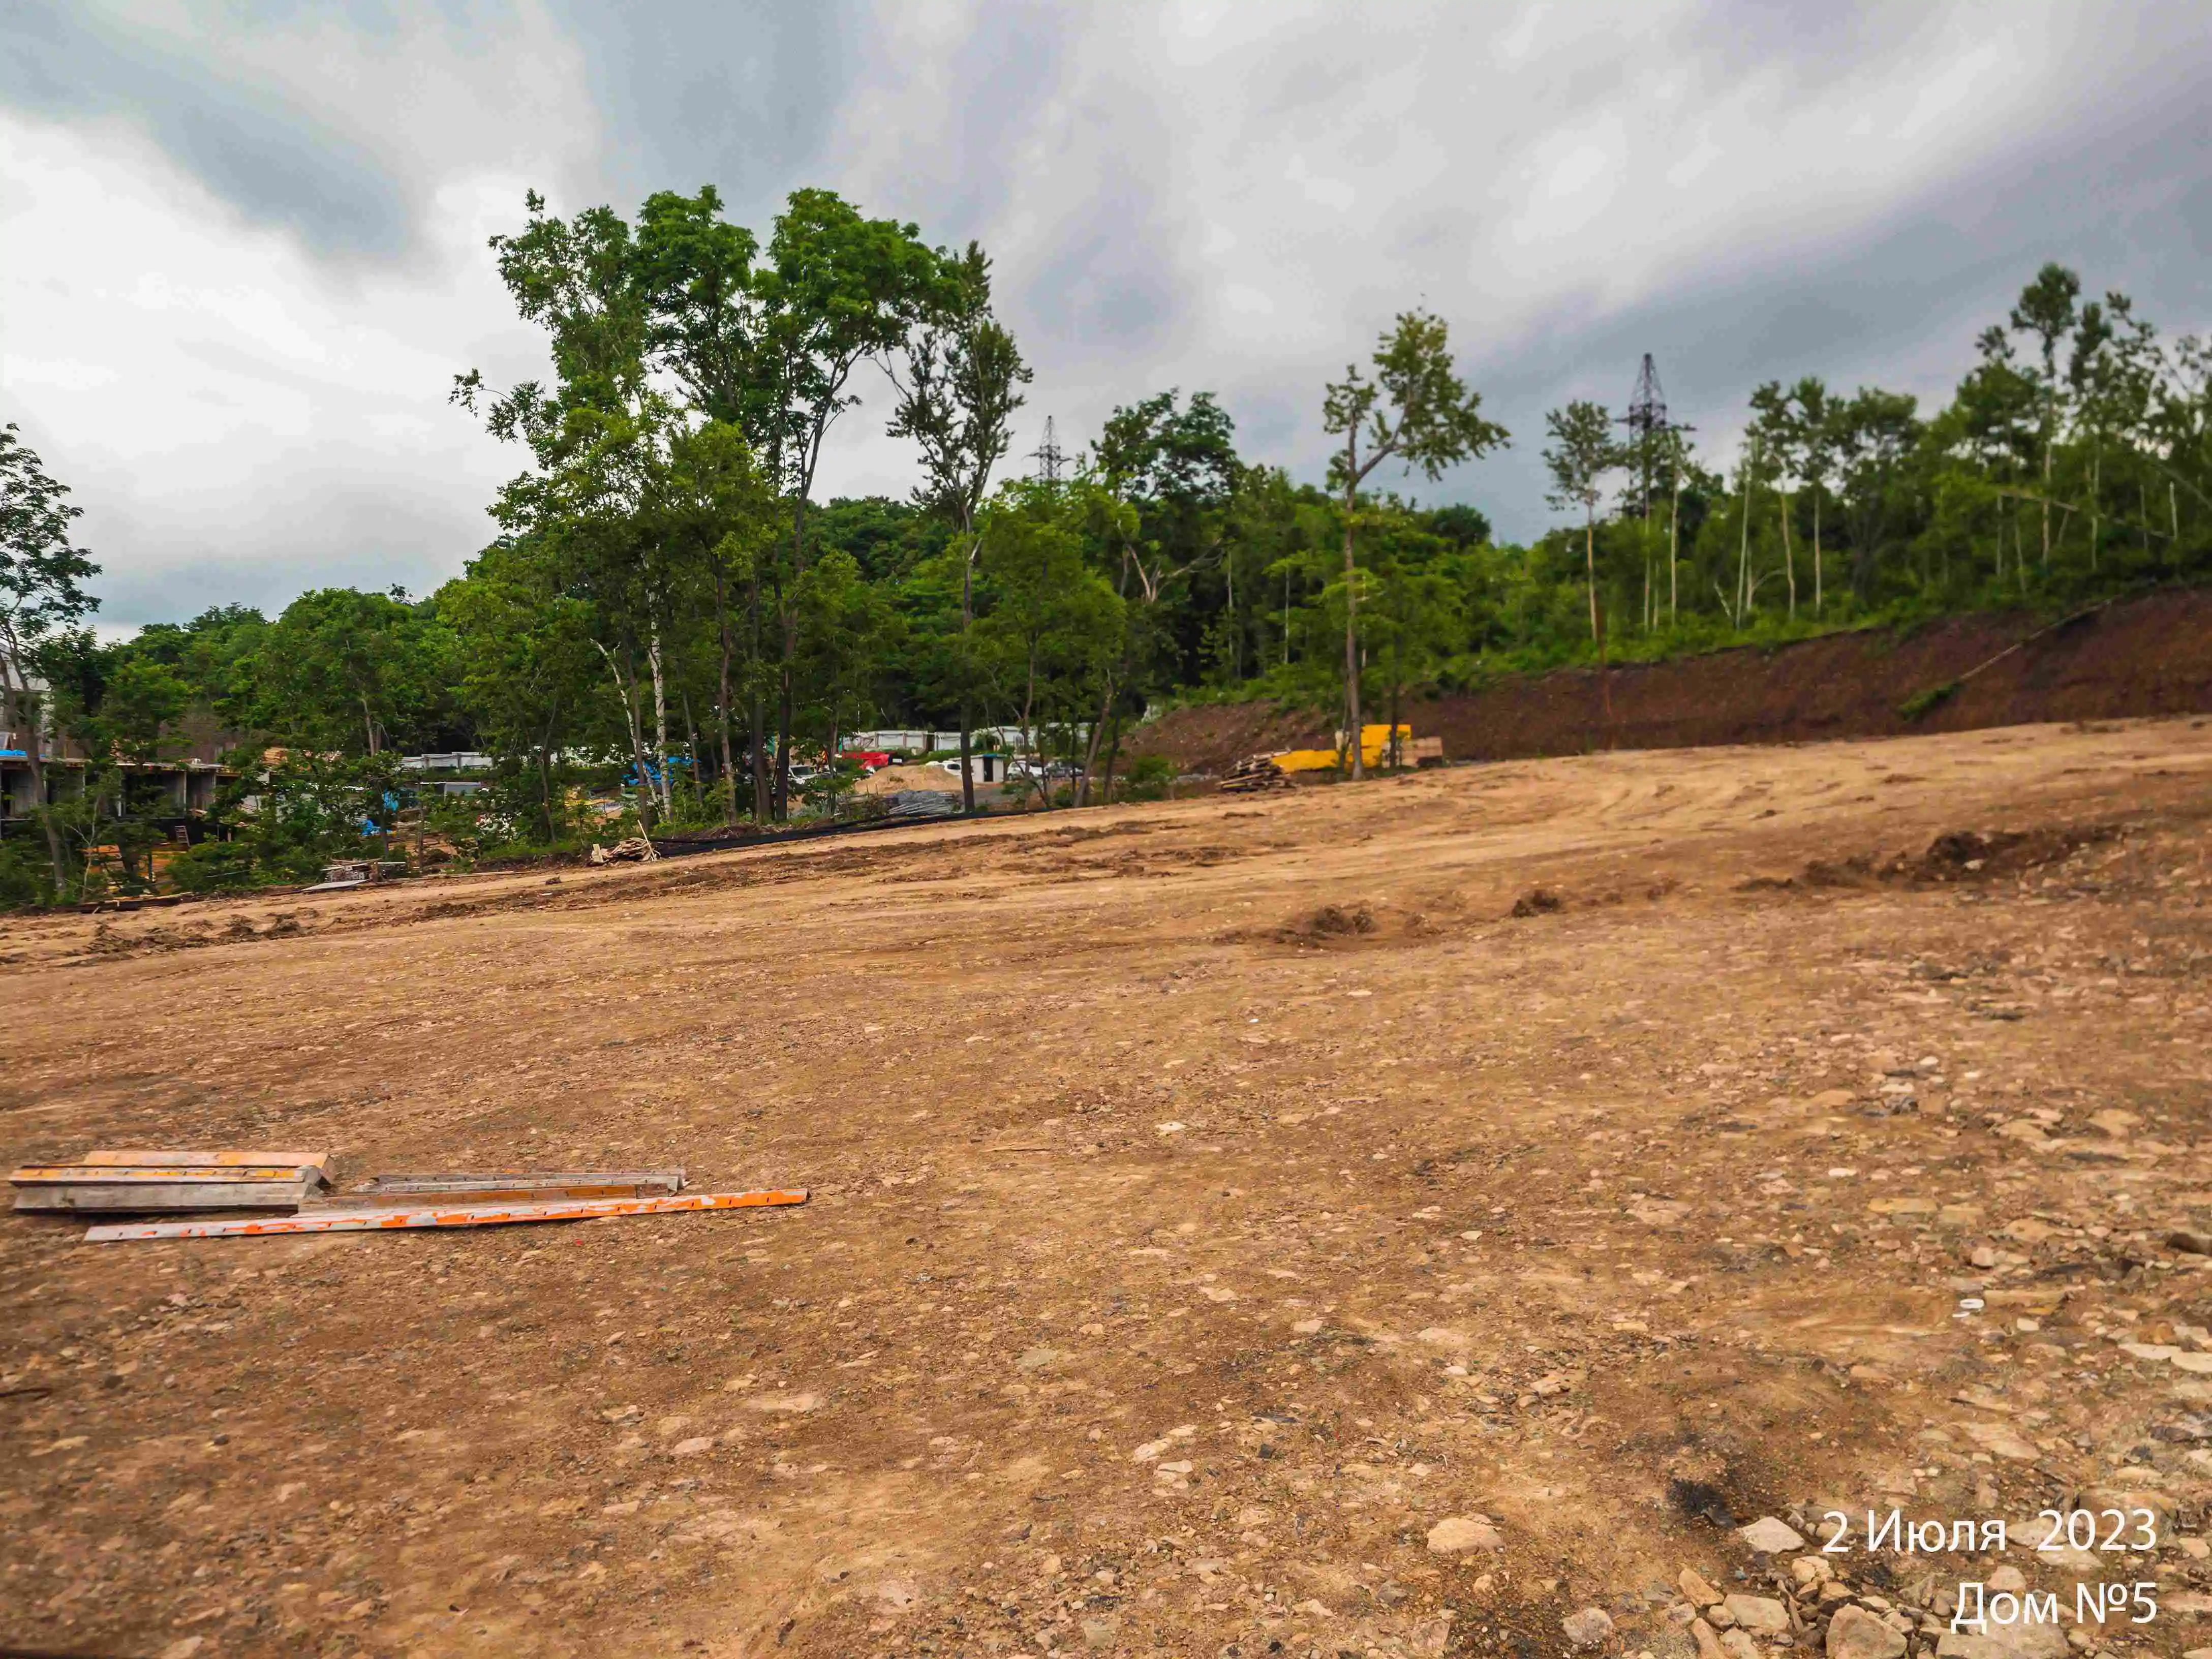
x: 667, y: 608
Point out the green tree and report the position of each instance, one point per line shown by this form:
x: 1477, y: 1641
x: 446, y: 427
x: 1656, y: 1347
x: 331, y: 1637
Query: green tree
x: 42, y: 593
x: 956, y: 400
x: 1582, y: 453
x: 347, y: 671
x: 1054, y: 624
x: 526, y: 660
x: 2047, y: 311
x: 836, y: 290
x: 1814, y: 420
x: 1415, y: 409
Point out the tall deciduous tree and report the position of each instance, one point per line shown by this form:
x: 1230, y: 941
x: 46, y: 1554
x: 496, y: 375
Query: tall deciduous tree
x: 1416, y: 409
x: 956, y: 400
x: 1814, y: 414
x: 836, y: 289
x: 2047, y: 311
x: 1582, y: 453
x: 42, y: 593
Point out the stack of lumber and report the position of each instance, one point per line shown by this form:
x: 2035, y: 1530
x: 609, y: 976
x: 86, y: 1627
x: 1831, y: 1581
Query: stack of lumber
x: 147, y: 1179
x: 1254, y: 773
x: 151, y: 1182
x: 354, y: 1218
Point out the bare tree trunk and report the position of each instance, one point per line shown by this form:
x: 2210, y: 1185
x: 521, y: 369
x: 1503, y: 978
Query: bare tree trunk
x: 1788, y: 559
x: 1113, y: 755
x: 1673, y: 557
x: 967, y: 713
x: 782, y: 781
x: 2046, y: 502
x: 1236, y: 632
x: 691, y: 741
x: 2096, y: 504
x: 1590, y: 564
x: 759, y: 732
x: 660, y: 721
x: 1820, y: 595
x: 1351, y: 641
x: 545, y: 772
x: 624, y: 690
x: 1114, y: 676
x: 1743, y: 558
x: 1091, y: 748
x: 729, y: 779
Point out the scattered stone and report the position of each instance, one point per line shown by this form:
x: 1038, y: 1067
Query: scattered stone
x: 2008, y: 1579
x: 2190, y: 1243
x: 1099, y: 1632
x: 1762, y: 1614
x: 2002, y: 1439
x: 1708, y: 1646
x: 1770, y: 1536
x: 1459, y: 1533
x: 1696, y: 1591
x: 1854, y: 1633
x: 693, y: 1447
x: 1588, y: 1627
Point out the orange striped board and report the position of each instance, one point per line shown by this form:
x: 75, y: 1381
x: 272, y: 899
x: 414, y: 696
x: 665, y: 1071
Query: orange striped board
x: 86, y: 1174
x: 454, y: 1215
x: 166, y: 1158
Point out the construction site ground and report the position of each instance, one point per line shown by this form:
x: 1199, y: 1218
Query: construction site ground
x: 1210, y: 1200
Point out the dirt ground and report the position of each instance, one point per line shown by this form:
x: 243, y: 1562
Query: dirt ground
x: 1211, y: 1200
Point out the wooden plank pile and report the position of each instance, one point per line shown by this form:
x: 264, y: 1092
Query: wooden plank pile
x: 133, y: 1178
x: 159, y: 1182
x: 1254, y: 773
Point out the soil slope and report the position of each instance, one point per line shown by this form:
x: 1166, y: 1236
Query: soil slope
x: 2148, y: 656
x: 1212, y: 1201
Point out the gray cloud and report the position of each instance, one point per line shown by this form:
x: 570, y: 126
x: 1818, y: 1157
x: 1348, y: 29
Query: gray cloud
x: 271, y: 157
x: 741, y: 95
x: 284, y: 258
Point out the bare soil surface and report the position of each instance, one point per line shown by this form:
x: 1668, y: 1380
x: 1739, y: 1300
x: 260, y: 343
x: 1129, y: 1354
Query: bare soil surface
x: 2150, y: 656
x: 1210, y: 1200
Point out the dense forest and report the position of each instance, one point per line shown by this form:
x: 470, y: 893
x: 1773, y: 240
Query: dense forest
x: 666, y: 609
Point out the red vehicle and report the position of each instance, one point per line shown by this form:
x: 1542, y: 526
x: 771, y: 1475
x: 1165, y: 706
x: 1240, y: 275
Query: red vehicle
x: 872, y: 759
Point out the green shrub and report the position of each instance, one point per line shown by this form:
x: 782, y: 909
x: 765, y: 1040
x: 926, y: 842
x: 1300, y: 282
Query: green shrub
x: 214, y: 867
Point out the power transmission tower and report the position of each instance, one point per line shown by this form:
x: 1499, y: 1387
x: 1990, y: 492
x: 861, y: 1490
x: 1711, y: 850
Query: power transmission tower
x: 1647, y: 425
x: 1049, y: 455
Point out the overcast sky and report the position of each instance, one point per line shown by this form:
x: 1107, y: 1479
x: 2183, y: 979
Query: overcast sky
x: 243, y: 242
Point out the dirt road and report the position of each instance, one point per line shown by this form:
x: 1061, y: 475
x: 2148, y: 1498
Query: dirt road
x: 1212, y: 1201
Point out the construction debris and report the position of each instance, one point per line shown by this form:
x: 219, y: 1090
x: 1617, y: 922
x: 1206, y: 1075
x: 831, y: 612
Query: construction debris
x: 133, y: 1179
x: 355, y: 873
x: 153, y: 1180
x: 1254, y: 773
x: 514, y: 1187
x: 636, y: 849
x: 348, y: 1218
